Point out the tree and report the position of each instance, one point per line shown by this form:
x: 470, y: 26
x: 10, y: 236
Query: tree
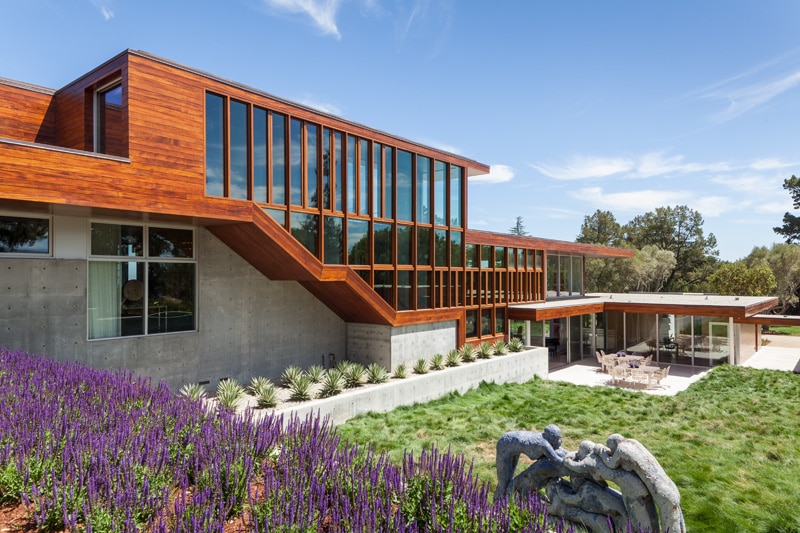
x: 518, y: 228
x: 600, y: 228
x: 739, y: 278
x: 680, y: 231
x: 603, y: 275
x: 784, y: 261
x: 650, y: 268
x: 791, y: 223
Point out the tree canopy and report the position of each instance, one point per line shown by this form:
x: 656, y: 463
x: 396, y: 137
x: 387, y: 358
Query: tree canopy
x: 690, y: 254
x: 741, y: 279
x: 790, y: 230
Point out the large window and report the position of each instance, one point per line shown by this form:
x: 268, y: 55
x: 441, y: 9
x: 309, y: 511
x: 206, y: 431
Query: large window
x: 141, y: 280
x: 23, y: 235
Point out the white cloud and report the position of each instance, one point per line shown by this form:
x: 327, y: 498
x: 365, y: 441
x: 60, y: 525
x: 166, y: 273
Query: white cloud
x: 105, y: 8
x: 582, y: 167
x: 330, y: 109
x: 497, y: 174
x: 741, y: 99
x: 322, y: 12
x: 771, y: 164
x: 638, y: 201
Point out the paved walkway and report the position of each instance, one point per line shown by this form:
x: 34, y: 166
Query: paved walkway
x: 781, y: 353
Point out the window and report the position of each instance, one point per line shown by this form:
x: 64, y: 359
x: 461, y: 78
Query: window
x: 109, y: 134
x: 240, y: 149
x: 141, y: 280
x: 215, y: 145
x: 23, y: 235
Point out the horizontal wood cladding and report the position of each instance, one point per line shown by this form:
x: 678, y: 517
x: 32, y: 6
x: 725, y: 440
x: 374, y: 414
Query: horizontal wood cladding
x: 771, y: 320
x: 737, y: 312
x: 515, y: 241
x: 26, y: 114
x: 549, y: 313
x: 197, y: 79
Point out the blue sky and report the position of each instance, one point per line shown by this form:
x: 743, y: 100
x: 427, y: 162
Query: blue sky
x: 577, y: 105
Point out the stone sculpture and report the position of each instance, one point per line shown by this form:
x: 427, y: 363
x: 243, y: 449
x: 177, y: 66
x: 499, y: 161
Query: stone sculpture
x: 576, y: 483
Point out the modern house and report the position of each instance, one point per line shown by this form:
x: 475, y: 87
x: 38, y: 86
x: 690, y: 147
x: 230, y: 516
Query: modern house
x: 165, y: 220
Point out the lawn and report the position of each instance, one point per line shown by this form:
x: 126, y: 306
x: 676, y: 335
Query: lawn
x: 785, y: 330
x: 731, y: 442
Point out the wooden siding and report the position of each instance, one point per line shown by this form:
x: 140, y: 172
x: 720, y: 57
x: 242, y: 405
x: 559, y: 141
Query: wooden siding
x: 26, y: 114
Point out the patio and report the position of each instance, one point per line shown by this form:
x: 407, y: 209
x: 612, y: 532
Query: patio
x: 781, y: 353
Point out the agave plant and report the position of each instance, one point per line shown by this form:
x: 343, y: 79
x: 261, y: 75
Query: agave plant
x: 400, y: 371
x: 468, y: 353
x: 421, y: 366
x: 315, y: 373
x: 516, y: 345
x: 377, y: 374
x: 256, y: 383
x: 453, y: 358
x: 354, y: 375
x: 437, y: 362
x: 500, y: 347
x: 229, y: 393
x: 266, y: 394
x: 333, y: 383
x: 290, y: 375
x: 485, y: 350
x: 343, y: 365
x: 193, y: 391
x: 301, y: 389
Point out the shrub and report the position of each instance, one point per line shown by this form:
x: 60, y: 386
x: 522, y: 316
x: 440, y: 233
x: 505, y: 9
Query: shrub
x: 290, y: 375
x: 333, y: 383
x: 377, y: 374
x: 229, y: 393
x: 193, y: 391
x: 500, y: 347
x: 437, y: 362
x: 256, y: 383
x: 485, y: 350
x: 301, y: 389
x: 343, y: 365
x: 354, y: 375
x: 453, y: 358
x: 315, y: 373
x: 266, y: 394
x: 468, y: 353
x: 400, y: 371
x: 516, y: 345
x: 421, y: 366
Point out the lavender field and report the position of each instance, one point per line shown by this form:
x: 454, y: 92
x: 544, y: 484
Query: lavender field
x: 97, y: 451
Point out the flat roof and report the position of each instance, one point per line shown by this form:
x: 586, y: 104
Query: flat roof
x: 737, y: 307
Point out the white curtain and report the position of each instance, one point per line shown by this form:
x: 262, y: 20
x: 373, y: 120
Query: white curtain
x: 105, y: 299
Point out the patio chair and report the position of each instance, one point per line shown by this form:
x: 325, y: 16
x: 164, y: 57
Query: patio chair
x: 601, y: 360
x: 619, y: 372
x: 647, y: 360
x: 661, y: 375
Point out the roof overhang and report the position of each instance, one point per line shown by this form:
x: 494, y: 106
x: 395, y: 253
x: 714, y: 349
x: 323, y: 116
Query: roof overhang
x: 742, y: 309
x: 548, y: 245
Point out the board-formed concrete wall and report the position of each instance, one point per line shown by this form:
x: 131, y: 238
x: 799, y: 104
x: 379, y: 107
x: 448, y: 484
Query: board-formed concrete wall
x: 247, y: 325
x: 390, y: 346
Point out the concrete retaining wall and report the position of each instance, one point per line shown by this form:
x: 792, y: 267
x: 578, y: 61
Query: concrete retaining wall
x: 516, y: 367
x: 391, y: 346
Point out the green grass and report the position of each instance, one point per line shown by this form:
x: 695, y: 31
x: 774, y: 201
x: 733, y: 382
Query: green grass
x: 785, y: 330
x: 731, y: 442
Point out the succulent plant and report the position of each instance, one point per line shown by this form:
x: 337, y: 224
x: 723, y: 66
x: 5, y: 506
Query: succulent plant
x: 300, y: 389
x: 333, y: 383
x: 500, y: 347
x: 516, y: 345
x: 315, y: 373
x: 485, y: 350
x: 453, y: 358
x: 354, y: 375
x: 229, y: 393
x: 193, y: 391
x: 256, y: 383
x: 437, y: 362
x: 290, y: 375
x: 266, y: 395
x: 400, y: 371
x: 421, y: 366
x: 468, y: 353
x: 377, y: 374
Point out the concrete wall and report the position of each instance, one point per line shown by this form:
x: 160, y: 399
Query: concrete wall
x: 247, y: 325
x: 389, y: 346
x: 516, y: 367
